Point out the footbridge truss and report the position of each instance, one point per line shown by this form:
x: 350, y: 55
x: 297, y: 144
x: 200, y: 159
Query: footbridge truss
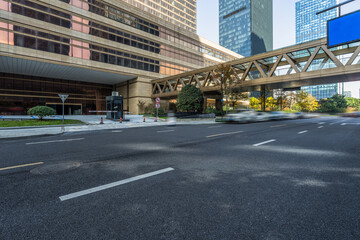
x: 307, y: 64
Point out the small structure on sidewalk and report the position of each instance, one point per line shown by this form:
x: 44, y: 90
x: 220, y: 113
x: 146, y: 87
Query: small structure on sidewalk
x: 114, y: 107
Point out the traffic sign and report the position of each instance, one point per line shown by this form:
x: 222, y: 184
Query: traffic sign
x: 157, y: 105
x: 63, y: 97
x: 157, y: 100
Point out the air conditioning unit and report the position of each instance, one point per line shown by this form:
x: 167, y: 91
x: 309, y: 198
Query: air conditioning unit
x: 115, y: 94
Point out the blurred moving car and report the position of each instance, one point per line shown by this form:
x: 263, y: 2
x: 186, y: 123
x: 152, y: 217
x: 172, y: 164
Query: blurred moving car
x: 277, y: 115
x: 250, y: 115
x: 241, y: 116
x: 352, y: 114
x: 262, y: 117
x: 291, y: 116
x: 300, y: 115
x: 171, y: 120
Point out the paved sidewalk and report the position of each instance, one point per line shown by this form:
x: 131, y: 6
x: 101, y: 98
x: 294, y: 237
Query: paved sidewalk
x: 92, y: 124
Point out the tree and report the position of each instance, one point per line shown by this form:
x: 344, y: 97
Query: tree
x: 291, y: 99
x: 41, y: 111
x: 353, y: 103
x: 190, y: 99
x: 270, y: 103
x: 335, y: 104
x: 280, y: 96
x: 226, y: 82
x: 255, y: 103
x: 305, y: 102
x: 238, y: 96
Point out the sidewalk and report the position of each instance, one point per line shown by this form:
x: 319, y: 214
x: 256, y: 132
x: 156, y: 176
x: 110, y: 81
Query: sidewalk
x: 92, y: 124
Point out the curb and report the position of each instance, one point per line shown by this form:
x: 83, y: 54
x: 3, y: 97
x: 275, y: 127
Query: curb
x: 31, y: 136
x: 45, y: 126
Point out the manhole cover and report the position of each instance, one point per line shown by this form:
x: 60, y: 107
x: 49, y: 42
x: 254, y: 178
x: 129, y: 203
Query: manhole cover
x: 55, y: 168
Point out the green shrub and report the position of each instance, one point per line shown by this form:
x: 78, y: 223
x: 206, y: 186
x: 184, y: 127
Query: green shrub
x: 190, y: 99
x: 213, y: 110
x: 41, y: 111
x: 161, y: 111
x: 335, y: 104
x: 148, y: 109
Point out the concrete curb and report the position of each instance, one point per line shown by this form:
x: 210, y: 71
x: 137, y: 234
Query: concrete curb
x: 31, y: 136
x: 45, y: 126
x: 90, y: 130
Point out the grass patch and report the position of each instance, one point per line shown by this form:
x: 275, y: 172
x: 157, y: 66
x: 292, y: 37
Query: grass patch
x: 29, y: 123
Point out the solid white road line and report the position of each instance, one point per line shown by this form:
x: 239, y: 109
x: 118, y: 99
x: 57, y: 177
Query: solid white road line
x: 165, y: 131
x: 321, y: 127
x: 303, y: 132
x: 262, y: 143
x: 344, y: 124
x: 114, y: 184
x: 222, y: 134
x: 55, y: 141
x: 215, y: 127
x: 117, y: 131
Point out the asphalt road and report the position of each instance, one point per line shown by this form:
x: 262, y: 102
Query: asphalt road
x: 280, y: 180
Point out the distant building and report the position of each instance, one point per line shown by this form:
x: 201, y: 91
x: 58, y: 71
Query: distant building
x: 246, y: 26
x: 309, y: 27
x: 347, y: 93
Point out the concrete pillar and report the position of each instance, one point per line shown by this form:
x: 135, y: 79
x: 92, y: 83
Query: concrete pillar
x: 205, y: 104
x: 218, y: 104
x: 263, y: 98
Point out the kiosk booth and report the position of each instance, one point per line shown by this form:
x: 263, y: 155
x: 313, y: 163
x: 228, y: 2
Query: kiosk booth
x: 114, y: 107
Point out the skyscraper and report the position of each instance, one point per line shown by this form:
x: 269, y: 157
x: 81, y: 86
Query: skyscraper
x: 179, y: 12
x: 309, y: 27
x: 246, y: 26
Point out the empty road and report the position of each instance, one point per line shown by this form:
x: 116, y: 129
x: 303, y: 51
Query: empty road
x: 279, y: 180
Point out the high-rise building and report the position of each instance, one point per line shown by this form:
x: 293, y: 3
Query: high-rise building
x: 182, y: 13
x: 309, y: 27
x: 89, y: 48
x: 246, y: 26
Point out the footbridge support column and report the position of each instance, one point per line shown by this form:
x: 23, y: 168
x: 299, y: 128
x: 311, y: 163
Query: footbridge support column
x: 263, y: 98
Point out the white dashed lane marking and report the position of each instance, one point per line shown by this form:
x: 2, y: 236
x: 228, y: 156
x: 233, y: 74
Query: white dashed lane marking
x: 263, y: 143
x: 114, y: 184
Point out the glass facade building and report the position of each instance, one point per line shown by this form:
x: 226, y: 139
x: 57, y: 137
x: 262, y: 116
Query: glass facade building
x: 309, y: 27
x: 182, y: 13
x: 246, y: 26
x: 102, y: 36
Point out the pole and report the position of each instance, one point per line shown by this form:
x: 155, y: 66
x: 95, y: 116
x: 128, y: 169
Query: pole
x: 157, y: 113
x: 63, y: 112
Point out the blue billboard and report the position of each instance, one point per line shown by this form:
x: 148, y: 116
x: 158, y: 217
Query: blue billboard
x: 344, y: 29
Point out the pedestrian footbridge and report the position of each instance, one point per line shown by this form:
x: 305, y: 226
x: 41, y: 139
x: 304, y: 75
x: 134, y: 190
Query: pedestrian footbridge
x: 311, y: 63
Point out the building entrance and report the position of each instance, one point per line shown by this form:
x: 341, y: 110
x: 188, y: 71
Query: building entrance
x: 69, y: 109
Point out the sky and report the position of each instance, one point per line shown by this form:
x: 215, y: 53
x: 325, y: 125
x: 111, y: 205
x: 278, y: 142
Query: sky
x: 283, y: 25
